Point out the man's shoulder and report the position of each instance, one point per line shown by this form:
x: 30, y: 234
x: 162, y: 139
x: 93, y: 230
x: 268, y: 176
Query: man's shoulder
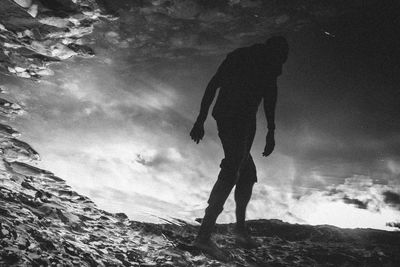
x: 248, y: 49
x: 252, y: 51
x: 238, y: 52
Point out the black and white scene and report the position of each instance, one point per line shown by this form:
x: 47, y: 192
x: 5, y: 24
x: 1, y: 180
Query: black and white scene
x: 180, y: 133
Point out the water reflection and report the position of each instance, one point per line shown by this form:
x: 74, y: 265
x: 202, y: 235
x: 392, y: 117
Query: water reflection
x: 118, y: 133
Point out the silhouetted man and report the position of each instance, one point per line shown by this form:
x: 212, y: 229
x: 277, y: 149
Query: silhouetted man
x: 245, y: 77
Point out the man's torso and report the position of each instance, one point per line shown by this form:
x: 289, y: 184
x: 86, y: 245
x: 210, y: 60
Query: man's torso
x: 245, y: 76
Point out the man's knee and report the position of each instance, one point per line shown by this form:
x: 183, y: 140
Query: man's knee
x: 249, y: 172
x: 230, y: 170
x: 219, y: 194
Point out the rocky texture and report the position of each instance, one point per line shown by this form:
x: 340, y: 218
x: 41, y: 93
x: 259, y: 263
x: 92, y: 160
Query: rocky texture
x: 44, y: 222
x: 35, y: 34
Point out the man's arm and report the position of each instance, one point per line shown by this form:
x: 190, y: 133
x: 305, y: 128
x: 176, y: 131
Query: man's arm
x: 197, y: 132
x: 270, y: 98
x: 208, y: 98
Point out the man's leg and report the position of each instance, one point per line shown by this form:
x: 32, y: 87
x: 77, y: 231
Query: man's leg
x: 233, y: 138
x: 243, y: 191
x: 247, y: 178
x: 220, y: 192
x: 227, y: 179
x: 216, y: 201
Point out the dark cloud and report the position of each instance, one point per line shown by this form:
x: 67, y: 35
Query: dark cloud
x: 392, y: 198
x: 356, y: 202
x: 154, y: 161
x: 393, y: 224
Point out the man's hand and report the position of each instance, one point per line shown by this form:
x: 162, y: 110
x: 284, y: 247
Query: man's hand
x: 270, y: 144
x: 197, y: 132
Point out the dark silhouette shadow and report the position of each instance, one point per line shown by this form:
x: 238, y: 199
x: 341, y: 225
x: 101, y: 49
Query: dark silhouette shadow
x: 246, y: 76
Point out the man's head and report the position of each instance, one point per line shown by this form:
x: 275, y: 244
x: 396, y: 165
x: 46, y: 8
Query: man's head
x: 279, y: 46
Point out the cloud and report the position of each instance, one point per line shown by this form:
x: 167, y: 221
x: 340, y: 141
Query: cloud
x: 159, y: 158
x: 129, y: 99
x: 361, y: 192
x: 393, y: 224
x: 392, y: 198
x: 356, y: 202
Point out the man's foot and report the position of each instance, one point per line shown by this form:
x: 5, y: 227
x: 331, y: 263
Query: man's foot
x: 209, y: 247
x: 244, y: 240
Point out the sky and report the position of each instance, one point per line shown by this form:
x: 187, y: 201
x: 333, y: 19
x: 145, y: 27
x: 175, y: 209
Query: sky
x: 117, y: 130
